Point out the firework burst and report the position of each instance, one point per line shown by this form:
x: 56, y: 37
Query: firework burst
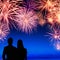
x: 8, y: 9
x: 55, y: 34
x: 46, y: 4
x: 4, y: 31
x: 27, y: 20
x: 57, y: 45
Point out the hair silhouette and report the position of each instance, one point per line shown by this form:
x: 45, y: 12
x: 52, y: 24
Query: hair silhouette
x: 20, y: 44
x: 9, y: 52
x: 10, y: 41
x: 21, y: 51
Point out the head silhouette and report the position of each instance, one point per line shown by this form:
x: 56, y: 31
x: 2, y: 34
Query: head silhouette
x: 20, y: 44
x: 10, y: 41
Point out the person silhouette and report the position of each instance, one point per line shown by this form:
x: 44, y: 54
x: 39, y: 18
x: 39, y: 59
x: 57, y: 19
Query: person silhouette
x: 21, y: 51
x: 9, y: 52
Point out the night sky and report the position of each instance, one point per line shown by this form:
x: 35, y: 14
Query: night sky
x: 36, y: 43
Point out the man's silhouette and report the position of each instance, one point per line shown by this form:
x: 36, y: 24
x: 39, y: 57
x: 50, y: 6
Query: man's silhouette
x: 9, y: 52
x: 21, y: 51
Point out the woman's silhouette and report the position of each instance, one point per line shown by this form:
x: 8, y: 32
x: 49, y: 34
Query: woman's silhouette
x: 21, y: 51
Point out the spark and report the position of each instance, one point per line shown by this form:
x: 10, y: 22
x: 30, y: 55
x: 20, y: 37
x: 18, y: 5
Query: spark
x: 41, y: 21
x: 51, y: 18
x: 57, y: 45
x: 55, y: 34
x: 4, y: 31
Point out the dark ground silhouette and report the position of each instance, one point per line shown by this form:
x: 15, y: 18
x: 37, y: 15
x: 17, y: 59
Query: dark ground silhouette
x: 12, y: 53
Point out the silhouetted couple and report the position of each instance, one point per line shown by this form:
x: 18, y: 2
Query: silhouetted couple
x: 12, y: 53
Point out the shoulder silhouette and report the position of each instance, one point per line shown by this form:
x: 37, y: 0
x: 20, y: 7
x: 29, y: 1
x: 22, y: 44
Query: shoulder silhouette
x: 21, y: 51
x: 9, y: 52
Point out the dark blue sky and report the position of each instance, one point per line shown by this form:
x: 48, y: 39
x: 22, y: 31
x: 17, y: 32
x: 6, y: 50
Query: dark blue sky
x: 36, y: 42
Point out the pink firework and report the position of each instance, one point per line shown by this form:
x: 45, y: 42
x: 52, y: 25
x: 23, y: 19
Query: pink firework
x: 51, y: 18
x: 4, y: 31
x: 57, y: 45
x: 55, y: 34
x: 8, y: 10
x: 27, y: 20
